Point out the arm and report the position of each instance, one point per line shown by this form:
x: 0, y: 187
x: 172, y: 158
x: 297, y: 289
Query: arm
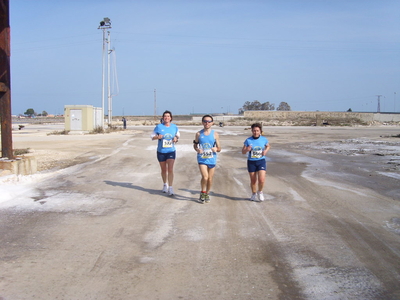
x: 156, y: 136
x: 177, y: 136
x: 245, y: 148
x: 153, y: 134
x: 266, y: 149
x: 217, y: 147
x: 196, y: 143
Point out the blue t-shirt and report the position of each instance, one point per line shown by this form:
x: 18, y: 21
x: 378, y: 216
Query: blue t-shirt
x: 206, y: 142
x: 166, y: 144
x: 258, y: 145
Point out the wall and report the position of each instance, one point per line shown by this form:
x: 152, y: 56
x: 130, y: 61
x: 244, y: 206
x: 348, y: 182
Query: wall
x: 386, y: 117
x: 319, y: 117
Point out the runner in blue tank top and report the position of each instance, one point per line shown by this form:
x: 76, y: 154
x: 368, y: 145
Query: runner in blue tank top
x: 206, y: 144
x: 257, y: 147
x: 167, y: 135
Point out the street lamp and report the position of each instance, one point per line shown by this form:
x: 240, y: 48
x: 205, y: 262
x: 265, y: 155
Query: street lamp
x: 105, y: 24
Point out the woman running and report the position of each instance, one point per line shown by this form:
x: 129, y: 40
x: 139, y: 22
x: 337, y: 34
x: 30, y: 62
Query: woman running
x: 167, y: 135
x: 257, y: 146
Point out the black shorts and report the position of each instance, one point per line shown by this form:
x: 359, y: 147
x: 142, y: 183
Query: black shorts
x: 164, y: 156
x: 256, y: 165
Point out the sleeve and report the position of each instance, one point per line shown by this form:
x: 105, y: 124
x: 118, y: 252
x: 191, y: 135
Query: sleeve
x: 154, y: 133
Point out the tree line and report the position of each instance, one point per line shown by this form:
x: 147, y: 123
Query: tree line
x: 257, y: 105
x: 30, y: 112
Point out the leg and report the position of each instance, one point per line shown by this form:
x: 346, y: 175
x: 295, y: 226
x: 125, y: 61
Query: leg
x: 261, y: 180
x: 210, y: 178
x: 253, y: 181
x: 170, y: 169
x: 163, y: 165
x: 204, y: 177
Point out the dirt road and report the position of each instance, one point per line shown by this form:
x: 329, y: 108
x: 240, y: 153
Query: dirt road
x: 101, y: 229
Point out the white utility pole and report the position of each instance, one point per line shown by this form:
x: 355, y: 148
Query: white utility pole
x: 104, y: 25
x: 109, y: 80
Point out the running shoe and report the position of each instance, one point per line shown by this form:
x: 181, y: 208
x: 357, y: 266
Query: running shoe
x: 207, y: 198
x: 165, y: 188
x: 170, y: 191
x: 253, y: 197
x: 202, y: 197
x: 261, y: 196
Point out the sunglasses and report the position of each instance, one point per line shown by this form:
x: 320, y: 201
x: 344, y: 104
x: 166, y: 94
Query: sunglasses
x: 207, y: 121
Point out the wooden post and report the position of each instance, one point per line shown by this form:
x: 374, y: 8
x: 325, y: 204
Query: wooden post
x: 5, y: 81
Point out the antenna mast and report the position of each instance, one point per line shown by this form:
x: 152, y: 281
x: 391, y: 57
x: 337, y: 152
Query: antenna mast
x: 379, y: 103
x: 155, y: 105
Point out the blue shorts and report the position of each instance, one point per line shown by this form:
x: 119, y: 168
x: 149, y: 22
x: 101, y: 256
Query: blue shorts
x: 164, y: 156
x: 256, y: 165
x: 208, y: 165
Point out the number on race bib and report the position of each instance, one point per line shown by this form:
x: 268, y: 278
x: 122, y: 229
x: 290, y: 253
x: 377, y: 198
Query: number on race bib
x: 207, y: 153
x: 256, y: 154
x: 167, y: 143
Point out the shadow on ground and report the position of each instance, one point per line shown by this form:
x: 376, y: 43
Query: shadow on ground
x: 176, y: 196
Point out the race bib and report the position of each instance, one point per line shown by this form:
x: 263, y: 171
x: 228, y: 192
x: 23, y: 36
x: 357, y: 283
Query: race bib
x: 256, y: 153
x: 167, y: 143
x: 207, y: 153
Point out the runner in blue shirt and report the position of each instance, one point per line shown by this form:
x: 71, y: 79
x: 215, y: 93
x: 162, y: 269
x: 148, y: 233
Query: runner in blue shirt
x: 167, y: 135
x: 206, y: 144
x: 257, y: 147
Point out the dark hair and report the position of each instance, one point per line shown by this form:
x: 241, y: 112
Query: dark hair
x: 256, y: 125
x: 167, y: 112
x: 207, y: 116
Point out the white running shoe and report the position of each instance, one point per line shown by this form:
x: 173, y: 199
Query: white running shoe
x: 261, y: 196
x: 170, y: 191
x: 165, y: 188
x: 207, y: 198
x: 253, y: 197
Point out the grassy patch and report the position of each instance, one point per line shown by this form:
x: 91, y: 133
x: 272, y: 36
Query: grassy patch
x: 97, y: 129
x: 61, y: 132
x: 21, y: 151
x: 109, y: 129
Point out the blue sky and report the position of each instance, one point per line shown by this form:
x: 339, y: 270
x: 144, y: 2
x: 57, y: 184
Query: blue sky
x: 207, y: 56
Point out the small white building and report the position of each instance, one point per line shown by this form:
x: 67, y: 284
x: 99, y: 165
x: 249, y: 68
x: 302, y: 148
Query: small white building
x: 82, y: 117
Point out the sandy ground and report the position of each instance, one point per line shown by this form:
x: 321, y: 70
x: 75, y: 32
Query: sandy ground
x: 93, y: 224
